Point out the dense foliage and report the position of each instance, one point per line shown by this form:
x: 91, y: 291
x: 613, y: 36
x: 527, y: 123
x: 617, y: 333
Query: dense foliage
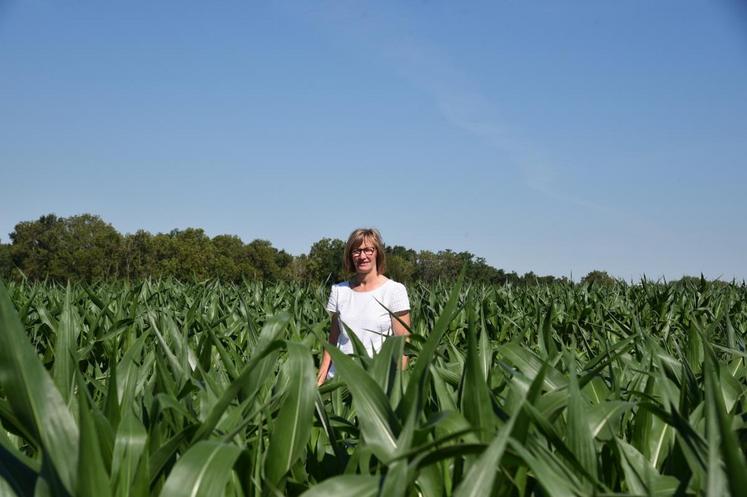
x: 86, y: 248
x: 165, y: 388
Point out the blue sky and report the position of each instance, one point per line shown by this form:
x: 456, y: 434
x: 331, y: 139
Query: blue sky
x: 556, y: 137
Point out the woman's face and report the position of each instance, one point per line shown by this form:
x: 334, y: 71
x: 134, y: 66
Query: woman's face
x: 364, y: 257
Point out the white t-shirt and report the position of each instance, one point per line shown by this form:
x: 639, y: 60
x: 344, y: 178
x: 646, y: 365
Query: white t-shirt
x: 366, y: 314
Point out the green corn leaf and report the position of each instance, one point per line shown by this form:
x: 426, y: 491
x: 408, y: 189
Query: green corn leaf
x: 232, y: 391
x: 379, y: 425
x: 719, y: 427
x: 202, y: 471
x: 642, y: 424
x: 177, y: 367
x: 521, y: 430
x: 15, y: 470
x: 529, y: 363
x: 111, y: 403
x: 128, y: 372
x: 603, y: 360
x: 555, y: 478
x: 14, y: 425
x: 387, y: 362
x: 397, y: 480
x: 293, y: 425
x: 603, y: 417
x: 475, y: 399
x: 453, y: 422
x: 65, y: 349
x: 34, y: 397
x: 730, y: 387
x: 225, y: 358
x: 431, y: 480
x: 263, y: 372
x: 449, y: 452
x: 546, y: 336
x: 167, y: 451
x: 266, y: 346
x: 352, y: 485
x: 331, y: 433
x: 579, y: 436
x: 93, y: 480
x: 129, y: 446
x: 486, y: 351
x: 399, y: 473
x: 445, y: 397
x: 481, y: 475
x: 416, y: 382
x: 640, y: 476
x: 564, y: 455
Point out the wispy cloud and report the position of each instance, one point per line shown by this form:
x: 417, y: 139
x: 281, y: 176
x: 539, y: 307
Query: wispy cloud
x: 471, y: 110
x: 392, y: 36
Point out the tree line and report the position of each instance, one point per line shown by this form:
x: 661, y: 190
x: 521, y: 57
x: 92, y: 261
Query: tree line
x: 86, y: 248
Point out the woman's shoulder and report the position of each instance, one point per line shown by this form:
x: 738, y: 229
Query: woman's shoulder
x: 396, y: 297
x: 394, y: 286
x: 341, y: 286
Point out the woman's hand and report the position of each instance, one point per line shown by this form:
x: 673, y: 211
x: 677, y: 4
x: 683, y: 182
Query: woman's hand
x: 321, y: 377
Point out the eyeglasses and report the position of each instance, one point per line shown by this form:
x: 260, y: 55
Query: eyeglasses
x: 365, y: 250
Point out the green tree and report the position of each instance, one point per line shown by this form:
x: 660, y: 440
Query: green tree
x: 324, y: 263
x: 85, y: 247
x: 267, y: 259
x: 447, y: 264
x: 78, y: 247
x: 137, y: 259
x: 231, y: 261
x: 183, y: 254
x: 297, y: 269
x: 401, y: 263
x: 427, y: 267
x: 34, y: 245
x: 480, y: 271
x: 599, y: 278
x: 285, y: 262
x: 90, y: 248
x: 6, y: 261
x: 165, y: 255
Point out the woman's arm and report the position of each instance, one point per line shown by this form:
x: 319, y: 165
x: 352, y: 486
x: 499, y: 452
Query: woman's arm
x: 334, y: 333
x: 400, y: 330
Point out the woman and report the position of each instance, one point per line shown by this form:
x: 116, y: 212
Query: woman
x: 360, y: 305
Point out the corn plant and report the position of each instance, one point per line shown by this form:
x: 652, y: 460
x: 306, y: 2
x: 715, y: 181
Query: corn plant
x: 168, y: 388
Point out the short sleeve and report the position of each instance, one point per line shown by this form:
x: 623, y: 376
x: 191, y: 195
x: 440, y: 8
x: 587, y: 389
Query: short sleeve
x: 332, y: 302
x: 399, y: 300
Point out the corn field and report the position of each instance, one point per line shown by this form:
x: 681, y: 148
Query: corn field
x: 207, y: 389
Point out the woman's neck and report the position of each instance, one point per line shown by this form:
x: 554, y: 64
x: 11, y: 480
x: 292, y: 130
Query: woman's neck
x: 367, y: 280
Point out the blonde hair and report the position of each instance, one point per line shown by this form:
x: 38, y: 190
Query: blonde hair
x: 356, y: 239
